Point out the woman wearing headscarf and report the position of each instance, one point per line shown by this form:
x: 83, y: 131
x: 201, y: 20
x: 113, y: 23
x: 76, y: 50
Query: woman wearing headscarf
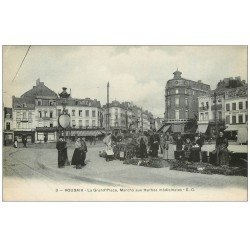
x: 166, y: 141
x: 79, y: 155
x: 109, y: 149
x: 221, y: 150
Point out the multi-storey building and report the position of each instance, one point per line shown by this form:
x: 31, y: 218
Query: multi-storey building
x: 36, y: 113
x: 215, y: 107
x: 236, y: 112
x: 211, y: 112
x: 181, y: 101
x: 8, y: 134
x: 126, y: 115
x: 23, y: 118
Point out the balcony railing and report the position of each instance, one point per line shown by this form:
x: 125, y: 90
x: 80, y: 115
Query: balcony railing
x: 218, y: 106
x: 203, y: 108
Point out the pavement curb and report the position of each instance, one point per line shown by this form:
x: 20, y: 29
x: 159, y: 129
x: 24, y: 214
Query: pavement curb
x: 55, y: 169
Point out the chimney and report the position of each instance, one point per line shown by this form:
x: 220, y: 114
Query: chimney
x: 37, y: 81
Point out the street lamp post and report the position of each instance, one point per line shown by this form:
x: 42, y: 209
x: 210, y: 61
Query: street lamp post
x: 64, y: 118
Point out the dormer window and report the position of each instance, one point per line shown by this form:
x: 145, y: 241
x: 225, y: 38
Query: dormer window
x: 39, y: 102
x: 51, y: 103
x: 24, y: 105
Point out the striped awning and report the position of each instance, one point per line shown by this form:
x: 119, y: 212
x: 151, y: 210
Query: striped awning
x: 84, y: 133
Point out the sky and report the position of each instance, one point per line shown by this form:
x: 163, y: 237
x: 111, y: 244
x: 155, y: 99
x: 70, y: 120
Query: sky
x: 135, y: 73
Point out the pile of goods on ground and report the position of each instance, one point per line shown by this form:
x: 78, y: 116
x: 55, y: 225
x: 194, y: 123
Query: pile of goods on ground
x: 147, y: 162
x: 206, y: 168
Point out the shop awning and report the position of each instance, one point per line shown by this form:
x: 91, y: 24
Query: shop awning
x: 242, y: 132
x: 235, y: 127
x: 84, y: 133
x: 177, y: 128
x: 166, y: 128
x: 202, y: 128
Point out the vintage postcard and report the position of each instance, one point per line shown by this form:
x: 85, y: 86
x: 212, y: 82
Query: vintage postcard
x: 125, y: 123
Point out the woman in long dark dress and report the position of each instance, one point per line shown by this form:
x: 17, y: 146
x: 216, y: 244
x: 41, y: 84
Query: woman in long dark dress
x: 79, y: 155
x: 221, y: 150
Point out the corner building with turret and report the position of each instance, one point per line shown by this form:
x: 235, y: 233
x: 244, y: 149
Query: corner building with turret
x: 181, y: 101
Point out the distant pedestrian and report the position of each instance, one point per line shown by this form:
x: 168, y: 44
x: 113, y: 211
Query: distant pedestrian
x: 187, y: 148
x: 109, y: 149
x: 24, y: 141
x: 154, y: 144
x: 142, y: 142
x: 179, y: 143
x: 221, y: 150
x: 15, y: 143
x: 166, y: 141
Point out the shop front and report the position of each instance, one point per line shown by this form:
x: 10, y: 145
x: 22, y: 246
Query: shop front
x: 30, y: 135
x: 8, y: 138
x: 46, y: 134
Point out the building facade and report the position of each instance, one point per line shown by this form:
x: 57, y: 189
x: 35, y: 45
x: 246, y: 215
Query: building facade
x: 224, y: 106
x: 127, y: 116
x: 181, y: 101
x: 8, y: 133
x: 211, y: 113
x: 36, y: 113
x: 236, y: 114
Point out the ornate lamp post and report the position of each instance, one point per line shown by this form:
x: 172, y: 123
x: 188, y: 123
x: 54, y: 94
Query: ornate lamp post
x: 64, y: 118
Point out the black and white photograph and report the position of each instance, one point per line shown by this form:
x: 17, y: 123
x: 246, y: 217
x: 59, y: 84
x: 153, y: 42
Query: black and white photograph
x: 125, y: 123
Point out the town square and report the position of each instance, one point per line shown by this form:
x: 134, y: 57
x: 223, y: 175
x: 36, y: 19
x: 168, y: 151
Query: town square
x: 185, y: 134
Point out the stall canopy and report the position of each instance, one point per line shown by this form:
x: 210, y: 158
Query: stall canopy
x: 164, y: 128
x: 242, y: 132
x: 85, y: 133
x: 202, y: 128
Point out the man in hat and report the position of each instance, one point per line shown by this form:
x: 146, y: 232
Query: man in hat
x: 62, y: 152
